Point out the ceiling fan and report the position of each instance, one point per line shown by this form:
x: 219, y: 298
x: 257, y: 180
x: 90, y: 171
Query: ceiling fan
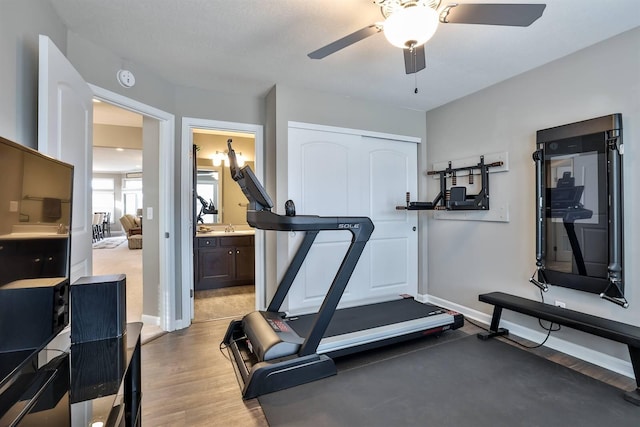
x: 409, y: 24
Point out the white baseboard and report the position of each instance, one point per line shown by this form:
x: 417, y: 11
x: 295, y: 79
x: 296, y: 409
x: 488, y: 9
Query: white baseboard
x: 605, y: 361
x: 150, y: 320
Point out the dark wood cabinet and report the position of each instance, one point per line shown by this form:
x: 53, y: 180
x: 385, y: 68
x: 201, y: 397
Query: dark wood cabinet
x: 223, y: 261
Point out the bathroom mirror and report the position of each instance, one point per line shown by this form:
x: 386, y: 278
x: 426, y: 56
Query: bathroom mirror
x: 208, y: 187
x: 212, y: 178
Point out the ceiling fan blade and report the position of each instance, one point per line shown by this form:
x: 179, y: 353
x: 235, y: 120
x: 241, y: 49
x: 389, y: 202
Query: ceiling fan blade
x: 345, y: 41
x: 414, y: 59
x: 516, y: 15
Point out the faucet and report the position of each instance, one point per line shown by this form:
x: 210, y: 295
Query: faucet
x: 229, y: 229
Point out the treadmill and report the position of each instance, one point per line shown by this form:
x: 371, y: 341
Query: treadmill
x: 272, y: 351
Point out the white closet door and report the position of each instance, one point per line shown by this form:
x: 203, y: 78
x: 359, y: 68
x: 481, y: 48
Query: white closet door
x: 391, y: 171
x: 333, y: 173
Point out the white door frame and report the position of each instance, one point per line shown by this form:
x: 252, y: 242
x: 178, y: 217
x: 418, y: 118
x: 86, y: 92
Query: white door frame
x: 186, y: 203
x: 167, y: 292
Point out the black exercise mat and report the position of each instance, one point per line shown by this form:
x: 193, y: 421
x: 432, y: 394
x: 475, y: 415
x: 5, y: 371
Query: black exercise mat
x: 465, y: 382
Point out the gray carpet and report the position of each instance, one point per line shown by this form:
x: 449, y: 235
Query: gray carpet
x: 462, y: 382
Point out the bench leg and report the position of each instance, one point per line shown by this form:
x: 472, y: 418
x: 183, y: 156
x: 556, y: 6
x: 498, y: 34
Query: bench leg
x: 633, y: 396
x: 494, y: 329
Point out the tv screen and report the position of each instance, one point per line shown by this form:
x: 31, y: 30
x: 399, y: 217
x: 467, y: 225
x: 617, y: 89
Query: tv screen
x: 35, y: 223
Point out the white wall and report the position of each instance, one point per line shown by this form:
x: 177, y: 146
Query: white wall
x: 467, y: 258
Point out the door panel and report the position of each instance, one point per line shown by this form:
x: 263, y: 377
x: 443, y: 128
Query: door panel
x: 391, y: 172
x: 386, y: 255
x: 65, y: 117
x: 345, y: 174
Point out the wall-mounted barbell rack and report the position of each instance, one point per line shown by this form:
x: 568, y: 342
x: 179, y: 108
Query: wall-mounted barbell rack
x: 456, y: 197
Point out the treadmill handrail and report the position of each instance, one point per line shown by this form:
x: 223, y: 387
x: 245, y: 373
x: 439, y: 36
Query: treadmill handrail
x: 259, y: 216
x: 267, y: 220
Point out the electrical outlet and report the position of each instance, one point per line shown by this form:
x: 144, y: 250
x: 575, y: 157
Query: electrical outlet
x: 561, y: 304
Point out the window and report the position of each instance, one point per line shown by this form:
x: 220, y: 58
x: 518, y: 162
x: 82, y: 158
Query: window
x: 103, y: 196
x: 132, y: 196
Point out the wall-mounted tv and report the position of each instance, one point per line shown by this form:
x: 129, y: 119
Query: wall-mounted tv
x: 35, y: 223
x: 579, y: 207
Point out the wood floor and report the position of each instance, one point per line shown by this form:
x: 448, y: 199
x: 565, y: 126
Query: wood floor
x: 188, y: 381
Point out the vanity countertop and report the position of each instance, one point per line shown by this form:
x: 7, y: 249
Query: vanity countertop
x: 218, y: 233
x: 31, y: 236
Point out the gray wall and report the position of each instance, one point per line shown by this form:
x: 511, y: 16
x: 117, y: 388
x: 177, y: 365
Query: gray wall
x: 596, y: 81
x: 117, y: 136
x: 20, y: 23
x: 151, y: 200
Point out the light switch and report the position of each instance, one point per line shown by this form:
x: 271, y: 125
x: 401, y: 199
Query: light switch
x: 13, y: 206
x: 149, y: 213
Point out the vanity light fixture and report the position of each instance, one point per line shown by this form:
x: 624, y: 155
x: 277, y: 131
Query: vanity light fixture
x: 218, y: 158
x: 222, y: 157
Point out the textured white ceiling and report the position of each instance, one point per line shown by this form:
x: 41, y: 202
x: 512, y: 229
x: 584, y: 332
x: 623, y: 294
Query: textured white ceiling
x: 247, y: 46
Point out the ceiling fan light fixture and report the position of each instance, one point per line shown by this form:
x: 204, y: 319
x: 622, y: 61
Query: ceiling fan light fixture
x: 411, y: 26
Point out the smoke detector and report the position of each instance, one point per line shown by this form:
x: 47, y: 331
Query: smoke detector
x: 126, y: 78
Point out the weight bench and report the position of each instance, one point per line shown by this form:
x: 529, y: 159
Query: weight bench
x: 610, y: 329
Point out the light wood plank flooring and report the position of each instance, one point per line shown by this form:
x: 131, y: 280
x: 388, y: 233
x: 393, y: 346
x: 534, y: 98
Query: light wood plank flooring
x: 188, y: 381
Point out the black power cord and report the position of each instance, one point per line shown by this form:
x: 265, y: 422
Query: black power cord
x: 224, y: 346
x: 548, y: 329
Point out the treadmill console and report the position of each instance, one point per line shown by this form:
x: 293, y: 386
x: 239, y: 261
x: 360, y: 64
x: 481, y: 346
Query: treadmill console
x: 290, y: 208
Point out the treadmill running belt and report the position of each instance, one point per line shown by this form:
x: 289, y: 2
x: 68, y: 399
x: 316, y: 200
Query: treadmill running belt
x: 369, y: 316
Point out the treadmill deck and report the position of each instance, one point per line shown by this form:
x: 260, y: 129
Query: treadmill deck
x: 357, y: 326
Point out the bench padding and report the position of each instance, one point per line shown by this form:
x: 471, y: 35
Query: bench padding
x: 606, y: 328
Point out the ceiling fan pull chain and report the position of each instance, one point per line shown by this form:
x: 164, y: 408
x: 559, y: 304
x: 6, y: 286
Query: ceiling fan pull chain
x: 415, y: 74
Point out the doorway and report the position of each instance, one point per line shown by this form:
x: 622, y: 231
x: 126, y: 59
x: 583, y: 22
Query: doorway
x: 250, y: 139
x: 224, y: 282
x: 117, y: 192
x: 158, y: 308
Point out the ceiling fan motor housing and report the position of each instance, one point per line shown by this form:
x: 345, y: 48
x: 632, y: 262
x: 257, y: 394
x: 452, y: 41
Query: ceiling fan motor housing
x: 411, y: 26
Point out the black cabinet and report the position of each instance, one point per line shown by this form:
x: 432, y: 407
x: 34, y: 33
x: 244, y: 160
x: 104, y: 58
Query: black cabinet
x: 33, y: 258
x: 94, y: 382
x: 224, y: 261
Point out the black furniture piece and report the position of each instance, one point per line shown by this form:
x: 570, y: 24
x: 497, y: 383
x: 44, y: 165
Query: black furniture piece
x: 94, y: 382
x: 98, y: 307
x: 273, y: 352
x: 35, y: 248
x: 610, y: 329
